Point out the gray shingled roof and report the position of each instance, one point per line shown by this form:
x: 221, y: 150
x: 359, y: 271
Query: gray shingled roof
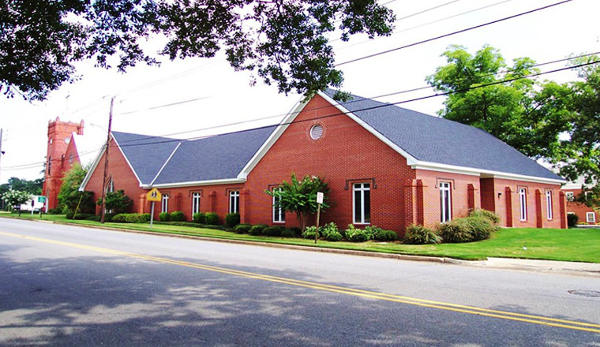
x: 210, y: 158
x: 217, y: 157
x: 146, y: 154
x: 443, y: 141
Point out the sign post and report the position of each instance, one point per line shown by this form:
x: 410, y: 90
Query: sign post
x: 319, y: 202
x: 153, y: 195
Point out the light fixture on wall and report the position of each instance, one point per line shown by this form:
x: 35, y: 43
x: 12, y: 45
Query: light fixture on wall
x: 499, y: 195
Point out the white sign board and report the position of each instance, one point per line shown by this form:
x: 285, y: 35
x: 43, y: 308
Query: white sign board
x: 319, y: 197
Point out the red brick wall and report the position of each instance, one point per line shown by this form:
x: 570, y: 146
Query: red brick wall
x: 500, y: 203
x: 459, y: 194
x: 345, y: 154
x: 580, y: 209
x: 123, y: 178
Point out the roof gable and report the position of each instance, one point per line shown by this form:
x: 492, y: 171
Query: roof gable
x: 438, y: 140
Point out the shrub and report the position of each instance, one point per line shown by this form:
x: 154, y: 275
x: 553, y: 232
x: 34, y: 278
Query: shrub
x: 55, y: 211
x: 572, y: 219
x: 108, y: 217
x: 466, y: 229
x: 257, y: 229
x: 199, y: 217
x: 330, y: 232
x: 232, y: 219
x: 94, y: 218
x: 144, y: 217
x: 385, y: 235
x: 177, y: 216
x: 83, y: 216
x: 130, y: 218
x: 491, y: 216
x: 242, y: 228
x: 164, y: 217
x: 309, y: 232
x: 272, y: 230
x: 212, y: 218
x: 419, y: 235
x: 117, y: 202
x: 356, y: 235
x: 290, y: 232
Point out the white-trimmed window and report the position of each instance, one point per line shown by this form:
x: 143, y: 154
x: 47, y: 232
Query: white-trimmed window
x: 523, y: 203
x: 234, y: 201
x: 195, y: 203
x: 361, y: 203
x: 164, y: 204
x: 278, y: 212
x: 445, y: 201
x: 590, y: 217
x: 111, y: 186
x: 549, y: 204
x: 570, y: 196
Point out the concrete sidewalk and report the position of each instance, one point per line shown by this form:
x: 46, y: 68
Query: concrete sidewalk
x: 588, y: 269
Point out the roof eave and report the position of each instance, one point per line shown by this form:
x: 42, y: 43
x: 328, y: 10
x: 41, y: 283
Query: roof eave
x: 195, y: 183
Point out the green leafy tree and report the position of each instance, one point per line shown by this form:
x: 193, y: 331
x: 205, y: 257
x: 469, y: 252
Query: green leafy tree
x: 283, y: 42
x: 300, y: 196
x: 543, y: 119
x: 70, y: 199
x: 14, y: 198
x: 33, y: 187
x: 117, y: 202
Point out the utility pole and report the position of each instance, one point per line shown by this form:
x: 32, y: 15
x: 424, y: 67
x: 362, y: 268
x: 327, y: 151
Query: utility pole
x: 103, y: 207
x: 1, y: 151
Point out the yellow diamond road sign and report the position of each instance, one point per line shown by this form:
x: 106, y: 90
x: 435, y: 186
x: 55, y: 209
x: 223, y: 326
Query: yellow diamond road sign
x: 154, y: 195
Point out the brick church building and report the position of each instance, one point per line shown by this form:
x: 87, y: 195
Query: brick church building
x: 60, y: 157
x: 385, y: 166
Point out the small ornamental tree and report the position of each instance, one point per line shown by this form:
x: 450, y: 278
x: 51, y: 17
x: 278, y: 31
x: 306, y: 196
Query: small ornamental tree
x: 117, y: 202
x: 300, y: 196
x: 70, y: 199
x: 14, y: 198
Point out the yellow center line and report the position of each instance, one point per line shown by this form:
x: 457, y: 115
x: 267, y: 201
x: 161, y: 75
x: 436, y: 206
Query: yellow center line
x: 533, y: 319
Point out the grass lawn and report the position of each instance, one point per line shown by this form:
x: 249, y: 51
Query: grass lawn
x: 551, y: 244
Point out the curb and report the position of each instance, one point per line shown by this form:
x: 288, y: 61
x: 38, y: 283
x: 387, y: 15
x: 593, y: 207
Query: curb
x: 421, y: 258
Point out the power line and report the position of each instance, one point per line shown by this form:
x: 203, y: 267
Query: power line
x: 132, y: 142
x: 166, y: 105
x: 451, y: 33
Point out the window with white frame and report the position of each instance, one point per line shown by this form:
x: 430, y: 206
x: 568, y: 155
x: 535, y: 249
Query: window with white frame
x: 165, y: 203
x: 445, y: 201
x: 523, y: 203
x: 361, y: 203
x: 234, y: 201
x: 111, y: 186
x: 278, y: 212
x: 570, y: 196
x: 549, y: 204
x: 590, y: 217
x: 195, y: 203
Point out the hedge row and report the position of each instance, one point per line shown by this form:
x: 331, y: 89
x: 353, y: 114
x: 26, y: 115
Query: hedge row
x: 330, y: 232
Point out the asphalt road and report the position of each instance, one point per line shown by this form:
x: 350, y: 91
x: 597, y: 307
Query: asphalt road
x: 64, y: 285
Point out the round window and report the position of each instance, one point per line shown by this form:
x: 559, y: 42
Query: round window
x: 316, y: 132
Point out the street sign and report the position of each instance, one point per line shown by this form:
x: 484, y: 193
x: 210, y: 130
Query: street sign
x: 42, y: 199
x: 320, y: 197
x: 154, y: 195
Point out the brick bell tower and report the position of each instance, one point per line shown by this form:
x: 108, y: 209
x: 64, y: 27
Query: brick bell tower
x: 59, y: 136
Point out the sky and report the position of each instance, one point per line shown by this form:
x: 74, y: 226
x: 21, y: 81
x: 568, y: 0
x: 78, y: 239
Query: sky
x: 152, y: 100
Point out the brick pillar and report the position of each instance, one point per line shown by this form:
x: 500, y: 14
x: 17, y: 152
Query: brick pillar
x: 539, y: 220
x: 142, y: 203
x: 409, y: 203
x: 471, y: 197
x: 178, y: 202
x: 244, y: 206
x: 509, y: 211
x: 420, y: 214
x: 212, y: 201
x: 563, y: 210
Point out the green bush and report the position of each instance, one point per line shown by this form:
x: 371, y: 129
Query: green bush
x: 290, y: 232
x: 330, y: 232
x: 199, y: 217
x: 193, y: 225
x: 242, y: 228
x: 130, y: 218
x: 144, y: 217
x: 467, y: 229
x: 177, y: 216
x: 232, y: 219
x: 83, y: 216
x: 93, y: 218
x: 212, y: 218
x: 572, y: 219
x: 117, y: 202
x: 55, y: 211
x: 309, y: 232
x: 356, y: 235
x: 164, y: 217
x: 491, y: 216
x: 385, y: 235
x: 273, y: 230
x: 419, y: 235
x: 257, y: 229
x: 108, y: 217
